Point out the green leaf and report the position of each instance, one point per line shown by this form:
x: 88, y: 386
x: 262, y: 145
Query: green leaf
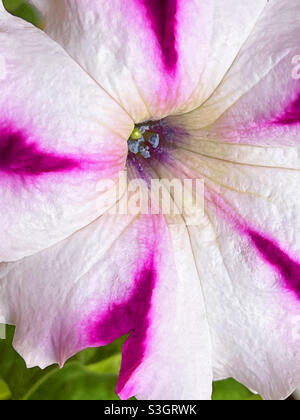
x: 12, y: 5
x: 111, y: 365
x: 75, y: 382
x: 233, y: 391
x: 5, y: 393
x: 23, y: 10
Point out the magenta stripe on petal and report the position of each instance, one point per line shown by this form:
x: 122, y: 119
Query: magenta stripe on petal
x: 162, y: 14
x: 140, y: 302
x: 131, y: 317
x: 291, y: 114
x: 280, y: 260
x: 20, y: 157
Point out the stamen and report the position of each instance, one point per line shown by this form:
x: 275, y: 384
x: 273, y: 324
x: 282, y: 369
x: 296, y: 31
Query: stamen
x: 154, y: 141
x: 144, y: 128
x: 145, y: 152
x: 143, y: 141
x: 134, y: 145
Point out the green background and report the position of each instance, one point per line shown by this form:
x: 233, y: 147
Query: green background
x: 93, y: 373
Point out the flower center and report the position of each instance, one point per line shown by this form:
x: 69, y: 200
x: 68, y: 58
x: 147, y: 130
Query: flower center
x: 144, y: 140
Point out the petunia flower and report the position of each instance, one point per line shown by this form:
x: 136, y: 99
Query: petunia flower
x: 213, y: 87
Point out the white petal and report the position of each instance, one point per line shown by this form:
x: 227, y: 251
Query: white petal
x: 60, y: 134
x: 156, y: 58
x: 119, y: 275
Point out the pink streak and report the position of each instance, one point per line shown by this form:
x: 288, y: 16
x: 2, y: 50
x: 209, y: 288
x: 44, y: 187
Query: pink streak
x: 278, y: 259
x: 162, y: 15
x: 291, y: 115
x: 129, y: 317
x: 20, y: 157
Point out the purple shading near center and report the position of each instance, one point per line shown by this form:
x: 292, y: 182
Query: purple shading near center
x: 131, y: 316
x: 20, y: 157
x: 162, y: 14
x: 291, y: 115
x: 286, y: 266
